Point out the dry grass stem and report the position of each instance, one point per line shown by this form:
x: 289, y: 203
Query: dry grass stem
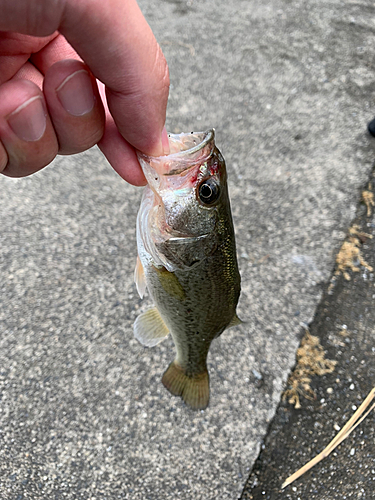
x: 352, y: 423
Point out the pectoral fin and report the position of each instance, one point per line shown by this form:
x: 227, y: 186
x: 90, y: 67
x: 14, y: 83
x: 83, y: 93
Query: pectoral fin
x: 140, y: 278
x: 149, y: 328
x: 170, y: 283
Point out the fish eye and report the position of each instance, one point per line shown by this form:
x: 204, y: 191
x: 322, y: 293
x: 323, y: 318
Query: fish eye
x: 209, y: 191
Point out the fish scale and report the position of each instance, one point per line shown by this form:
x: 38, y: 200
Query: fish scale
x: 189, y: 269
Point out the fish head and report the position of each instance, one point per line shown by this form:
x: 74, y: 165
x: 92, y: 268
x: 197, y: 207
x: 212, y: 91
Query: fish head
x: 185, y: 191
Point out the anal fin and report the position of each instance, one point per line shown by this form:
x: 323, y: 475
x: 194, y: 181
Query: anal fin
x: 195, y: 391
x: 235, y: 321
x: 149, y: 328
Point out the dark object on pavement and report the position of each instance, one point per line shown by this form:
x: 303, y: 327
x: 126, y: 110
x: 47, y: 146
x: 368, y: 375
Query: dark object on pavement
x: 371, y: 127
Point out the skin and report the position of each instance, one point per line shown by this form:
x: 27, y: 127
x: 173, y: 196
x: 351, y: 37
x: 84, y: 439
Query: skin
x: 57, y: 61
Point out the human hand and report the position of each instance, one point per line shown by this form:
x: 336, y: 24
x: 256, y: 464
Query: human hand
x: 49, y: 98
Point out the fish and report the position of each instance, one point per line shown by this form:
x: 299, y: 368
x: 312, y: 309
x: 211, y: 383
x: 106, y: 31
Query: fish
x: 187, y: 259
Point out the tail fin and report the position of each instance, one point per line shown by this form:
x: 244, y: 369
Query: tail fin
x: 195, y: 391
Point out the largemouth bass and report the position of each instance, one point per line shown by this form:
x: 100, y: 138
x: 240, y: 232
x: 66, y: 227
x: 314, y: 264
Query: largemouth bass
x: 187, y: 259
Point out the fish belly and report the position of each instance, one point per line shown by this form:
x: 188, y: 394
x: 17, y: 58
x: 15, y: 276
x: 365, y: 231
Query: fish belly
x: 196, y: 306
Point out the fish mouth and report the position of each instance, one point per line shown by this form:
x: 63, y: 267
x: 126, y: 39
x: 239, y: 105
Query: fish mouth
x: 186, y: 151
x: 189, y: 144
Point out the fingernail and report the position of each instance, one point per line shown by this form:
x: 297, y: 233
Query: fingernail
x: 165, y: 141
x: 28, y: 121
x: 75, y: 93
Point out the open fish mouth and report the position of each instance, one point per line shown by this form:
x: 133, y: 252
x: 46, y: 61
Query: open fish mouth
x: 184, y: 145
x: 186, y: 151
